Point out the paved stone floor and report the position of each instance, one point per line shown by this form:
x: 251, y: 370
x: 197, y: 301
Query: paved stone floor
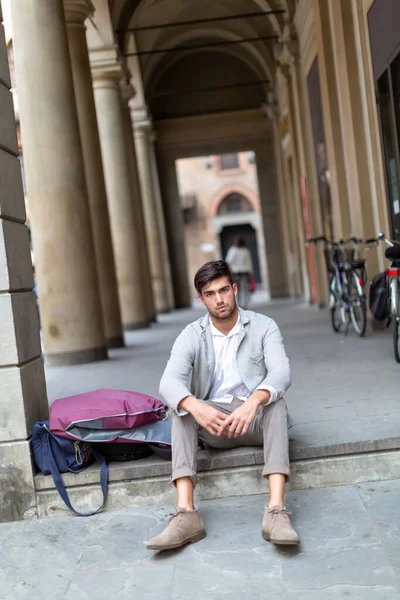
x: 345, y: 389
x: 350, y: 540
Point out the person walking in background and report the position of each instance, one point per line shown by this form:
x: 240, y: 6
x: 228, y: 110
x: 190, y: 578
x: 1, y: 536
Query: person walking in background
x: 241, y: 265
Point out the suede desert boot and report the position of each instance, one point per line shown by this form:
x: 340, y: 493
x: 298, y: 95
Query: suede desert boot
x: 277, y: 528
x: 184, y: 527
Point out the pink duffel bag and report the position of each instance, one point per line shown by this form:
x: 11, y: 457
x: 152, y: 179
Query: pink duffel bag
x: 104, y: 410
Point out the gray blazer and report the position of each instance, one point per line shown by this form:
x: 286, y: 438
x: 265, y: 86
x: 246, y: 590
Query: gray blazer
x: 261, y: 359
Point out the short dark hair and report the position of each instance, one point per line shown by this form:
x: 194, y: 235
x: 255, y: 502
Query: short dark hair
x: 214, y: 269
x: 240, y: 242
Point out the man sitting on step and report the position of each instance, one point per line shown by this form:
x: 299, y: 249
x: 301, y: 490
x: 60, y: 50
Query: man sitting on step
x: 225, y: 382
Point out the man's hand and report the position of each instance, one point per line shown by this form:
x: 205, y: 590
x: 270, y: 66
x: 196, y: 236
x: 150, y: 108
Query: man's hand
x: 238, y: 422
x: 206, y: 415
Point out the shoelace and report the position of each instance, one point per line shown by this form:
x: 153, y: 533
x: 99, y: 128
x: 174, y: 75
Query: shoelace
x: 280, y: 515
x: 280, y: 511
x: 174, y: 514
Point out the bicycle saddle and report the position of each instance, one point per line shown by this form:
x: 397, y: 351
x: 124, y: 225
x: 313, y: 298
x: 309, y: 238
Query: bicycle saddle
x: 393, y: 253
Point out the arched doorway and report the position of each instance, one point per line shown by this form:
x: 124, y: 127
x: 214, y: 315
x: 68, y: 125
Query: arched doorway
x: 228, y: 235
x: 234, y: 205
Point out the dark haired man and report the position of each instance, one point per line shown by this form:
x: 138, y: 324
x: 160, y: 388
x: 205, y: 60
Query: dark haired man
x: 239, y: 373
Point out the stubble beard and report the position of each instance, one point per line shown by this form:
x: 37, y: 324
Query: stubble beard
x: 224, y: 316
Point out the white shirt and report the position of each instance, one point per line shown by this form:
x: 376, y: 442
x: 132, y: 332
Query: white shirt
x: 239, y: 260
x: 227, y: 382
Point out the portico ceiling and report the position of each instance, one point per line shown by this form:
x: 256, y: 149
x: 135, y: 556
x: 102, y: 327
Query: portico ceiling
x: 218, y: 74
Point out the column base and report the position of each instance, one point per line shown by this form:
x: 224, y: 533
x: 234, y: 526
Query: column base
x: 134, y: 326
x: 116, y: 342
x: 180, y: 305
x: 275, y: 295
x: 17, y: 490
x: 76, y: 357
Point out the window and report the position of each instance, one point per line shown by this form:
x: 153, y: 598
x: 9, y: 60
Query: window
x: 234, y: 203
x: 383, y: 18
x: 189, y: 207
x: 229, y: 161
x: 388, y: 87
x: 10, y: 52
x: 320, y: 154
x: 21, y: 162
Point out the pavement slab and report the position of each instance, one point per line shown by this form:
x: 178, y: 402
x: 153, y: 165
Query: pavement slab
x: 349, y: 550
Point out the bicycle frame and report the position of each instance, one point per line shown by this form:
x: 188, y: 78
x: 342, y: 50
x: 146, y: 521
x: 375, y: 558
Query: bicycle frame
x: 346, y: 286
x: 393, y: 290
x: 347, y: 269
x: 337, y: 275
x: 393, y: 275
x: 393, y: 278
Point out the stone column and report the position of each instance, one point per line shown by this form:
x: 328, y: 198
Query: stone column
x: 127, y: 92
x: 354, y: 121
x: 294, y: 185
x: 76, y: 12
x: 272, y: 217
x: 175, y: 230
x: 23, y: 399
x: 288, y: 235
x: 120, y: 195
x: 142, y: 131
x: 333, y: 134
x: 72, y: 321
x: 304, y: 142
x: 162, y: 222
x: 285, y: 193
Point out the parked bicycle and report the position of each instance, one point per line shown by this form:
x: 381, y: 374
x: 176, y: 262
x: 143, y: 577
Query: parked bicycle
x: 347, y: 277
x: 392, y: 288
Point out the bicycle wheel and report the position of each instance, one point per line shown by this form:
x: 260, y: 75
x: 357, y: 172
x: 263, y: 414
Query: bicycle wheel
x: 357, y: 306
x: 335, y: 306
x: 396, y: 338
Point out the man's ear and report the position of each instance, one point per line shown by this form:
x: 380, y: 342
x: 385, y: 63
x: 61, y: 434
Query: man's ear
x: 235, y: 289
x: 201, y: 298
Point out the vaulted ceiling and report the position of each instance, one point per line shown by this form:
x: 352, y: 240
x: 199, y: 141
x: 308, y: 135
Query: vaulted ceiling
x: 209, y: 68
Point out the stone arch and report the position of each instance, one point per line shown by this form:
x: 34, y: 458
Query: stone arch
x: 234, y: 203
x: 226, y: 191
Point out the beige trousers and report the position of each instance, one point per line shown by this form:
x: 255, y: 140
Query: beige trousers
x: 269, y: 429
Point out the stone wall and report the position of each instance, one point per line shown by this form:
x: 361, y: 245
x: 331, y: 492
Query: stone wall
x: 23, y: 398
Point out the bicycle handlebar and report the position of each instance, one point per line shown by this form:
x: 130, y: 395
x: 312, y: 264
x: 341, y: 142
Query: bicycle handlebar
x: 356, y: 240
x: 352, y: 239
x: 380, y: 238
x: 322, y: 238
x: 315, y: 240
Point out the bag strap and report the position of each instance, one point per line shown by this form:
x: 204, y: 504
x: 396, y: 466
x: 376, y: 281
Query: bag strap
x: 60, y: 484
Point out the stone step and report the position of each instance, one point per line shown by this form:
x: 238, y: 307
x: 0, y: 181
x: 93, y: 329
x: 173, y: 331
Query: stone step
x: 222, y: 473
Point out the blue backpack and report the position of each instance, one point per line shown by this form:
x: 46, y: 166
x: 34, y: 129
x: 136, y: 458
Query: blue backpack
x: 54, y: 455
